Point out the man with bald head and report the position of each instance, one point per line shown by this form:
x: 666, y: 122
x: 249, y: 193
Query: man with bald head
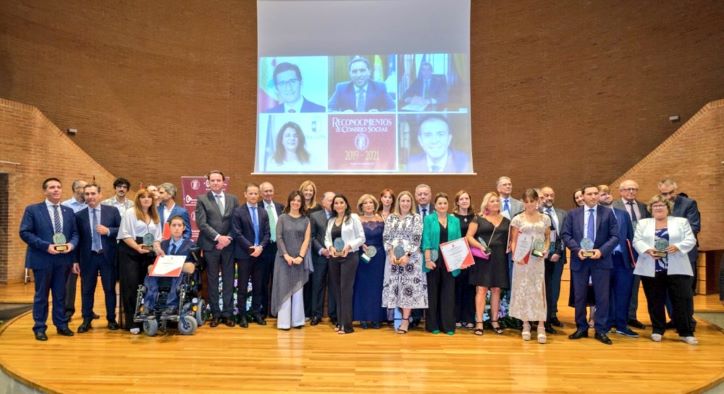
x: 273, y: 210
x: 636, y: 210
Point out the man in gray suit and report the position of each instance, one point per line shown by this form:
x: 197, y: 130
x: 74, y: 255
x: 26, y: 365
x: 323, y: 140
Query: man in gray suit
x: 636, y: 210
x: 556, y: 257
x: 509, y: 206
x: 213, y: 217
x: 320, y: 257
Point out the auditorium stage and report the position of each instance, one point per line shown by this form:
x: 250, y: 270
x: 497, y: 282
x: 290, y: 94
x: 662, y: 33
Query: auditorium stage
x: 315, y: 359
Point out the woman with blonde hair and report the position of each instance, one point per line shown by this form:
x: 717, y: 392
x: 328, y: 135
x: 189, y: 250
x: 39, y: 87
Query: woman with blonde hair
x: 405, y: 285
x: 489, y: 234
x: 309, y: 191
x: 367, y: 304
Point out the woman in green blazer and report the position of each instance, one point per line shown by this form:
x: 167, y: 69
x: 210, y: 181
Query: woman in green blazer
x: 439, y: 228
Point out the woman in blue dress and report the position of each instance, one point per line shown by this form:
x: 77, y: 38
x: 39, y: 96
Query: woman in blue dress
x: 367, y: 304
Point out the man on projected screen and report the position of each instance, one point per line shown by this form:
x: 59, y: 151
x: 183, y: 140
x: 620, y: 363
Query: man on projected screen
x: 360, y: 94
x: 429, y: 90
x: 288, y: 84
x: 435, y: 138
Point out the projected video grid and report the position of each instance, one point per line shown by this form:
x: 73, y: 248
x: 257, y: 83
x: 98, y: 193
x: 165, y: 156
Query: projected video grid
x: 364, y: 114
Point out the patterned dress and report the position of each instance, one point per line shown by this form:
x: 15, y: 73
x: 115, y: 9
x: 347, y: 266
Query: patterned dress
x: 404, y: 286
x: 528, y: 297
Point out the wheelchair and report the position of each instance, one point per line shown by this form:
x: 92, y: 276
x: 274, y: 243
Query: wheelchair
x: 189, y: 313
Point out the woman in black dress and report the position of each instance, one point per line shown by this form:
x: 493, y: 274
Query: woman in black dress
x: 492, y: 273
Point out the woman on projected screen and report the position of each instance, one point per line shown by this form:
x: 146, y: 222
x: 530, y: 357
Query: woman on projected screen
x: 290, y: 153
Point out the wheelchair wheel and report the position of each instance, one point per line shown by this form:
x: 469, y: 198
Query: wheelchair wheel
x: 150, y: 327
x: 187, y: 325
x: 199, y: 313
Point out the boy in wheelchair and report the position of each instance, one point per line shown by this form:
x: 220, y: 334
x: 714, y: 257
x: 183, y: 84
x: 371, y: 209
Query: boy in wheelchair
x: 171, y: 298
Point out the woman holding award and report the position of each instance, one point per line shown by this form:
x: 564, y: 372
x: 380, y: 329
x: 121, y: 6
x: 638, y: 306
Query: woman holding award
x: 405, y: 284
x: 529, y: 243
x: 489, y: 234
x: 367, y: 297
x: 309, y: 191
x: 464, y: 291
x: 292, y: 265
x: 140, y: 236
x: 343, y: 238
x: 662, y: 242
x: 438, y: 229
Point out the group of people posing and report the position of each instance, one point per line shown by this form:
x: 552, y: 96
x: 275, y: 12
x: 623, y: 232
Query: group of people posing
x: 379, y: 257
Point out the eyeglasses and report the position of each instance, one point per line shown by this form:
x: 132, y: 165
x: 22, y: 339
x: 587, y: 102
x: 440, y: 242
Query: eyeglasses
x: 658, y: 206
x: 630, y: 189
x: 286, y: 84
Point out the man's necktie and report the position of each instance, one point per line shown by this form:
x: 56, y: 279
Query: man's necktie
x: 220, y: 203
x: 172, y: 249
x: 424, y: 212
x: 95, y: 237
x: 591, y: 228
x: 360, y: 105
x: 632, y: 212
x: 255, y: 222
x: 426, y: 88
x: 506, y: 206
x: 57, y: 224
x: 272, y: 222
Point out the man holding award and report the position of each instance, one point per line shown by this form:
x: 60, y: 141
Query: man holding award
x: 591, y: 233
x: 49, y: 230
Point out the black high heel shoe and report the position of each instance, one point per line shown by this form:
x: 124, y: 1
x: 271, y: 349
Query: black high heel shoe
x: 478, y: 331
x: 496, y: 327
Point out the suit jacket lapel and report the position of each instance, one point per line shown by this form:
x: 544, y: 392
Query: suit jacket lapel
x: 46, y: 215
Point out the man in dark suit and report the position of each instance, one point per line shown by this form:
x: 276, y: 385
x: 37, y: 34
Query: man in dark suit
x: 636, y: 210
x: 360, y: 93
x: 268, y: 255
x: 213, y: 217
x: 168, y: 209
x: 320, y: 259
x: 596, y: 224
x: 622, y: 271
x: 428, y: 89
x: 435, y: 139
x: 97, y: 229
x: 556, y: 257
x: 49, y: 230
x: 288, y: 84
x: 250, y: 230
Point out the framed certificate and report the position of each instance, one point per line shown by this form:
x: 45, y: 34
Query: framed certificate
x: 168, y: 266
x: 456, y: 254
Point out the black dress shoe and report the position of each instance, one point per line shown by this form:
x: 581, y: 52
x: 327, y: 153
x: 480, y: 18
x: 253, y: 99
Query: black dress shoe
x: 229, y: 321
x: 84, y: 327
x: 40, y: 336
x: 258, y: 319
x: 636, y: 324
x: 65, y: 331
x: 214, y: 322
x: 95, y: 316
x: 112, y: 325
x: 549, y: 329
x: 603, y: 338
x: 348, y: 330
x: 556, y: 322
x: 315, y: 320
x: 243, y: 323
x: 579, y: 334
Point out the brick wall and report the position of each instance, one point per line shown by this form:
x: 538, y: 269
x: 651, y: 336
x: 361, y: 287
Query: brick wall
x: 33, y: 149
x: 561, y: 94
x: 694, y: 157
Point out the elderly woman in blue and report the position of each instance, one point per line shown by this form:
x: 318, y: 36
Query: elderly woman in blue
x: 439, y: 228
x: 662, y: 242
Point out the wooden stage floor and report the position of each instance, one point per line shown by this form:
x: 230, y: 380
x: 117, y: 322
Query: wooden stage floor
x: 315, y: 359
